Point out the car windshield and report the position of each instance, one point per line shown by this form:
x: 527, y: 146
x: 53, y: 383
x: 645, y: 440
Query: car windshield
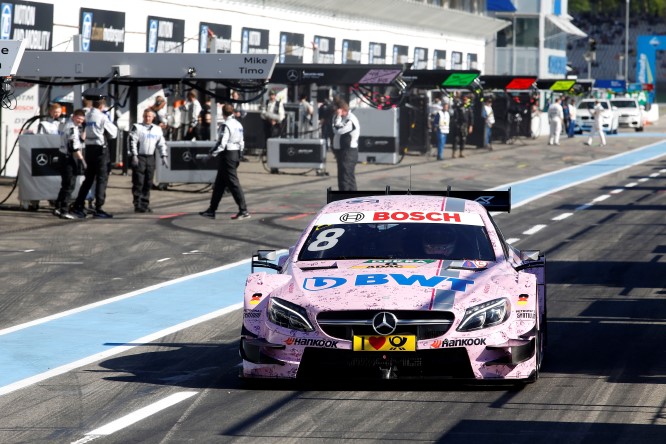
x: 590, y: 105
x: 397, y: 241
x: 624, y: 103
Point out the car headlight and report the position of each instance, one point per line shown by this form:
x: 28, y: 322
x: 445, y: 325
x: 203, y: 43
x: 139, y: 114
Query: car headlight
x: 288, y: 315
x: 485, y: 315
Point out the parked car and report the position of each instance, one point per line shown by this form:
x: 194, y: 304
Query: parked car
x: 584, y: 119
x: 631, y: 113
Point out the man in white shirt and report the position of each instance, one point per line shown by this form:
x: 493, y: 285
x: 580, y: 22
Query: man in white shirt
x: 555, y: 118
x: 597, y: 126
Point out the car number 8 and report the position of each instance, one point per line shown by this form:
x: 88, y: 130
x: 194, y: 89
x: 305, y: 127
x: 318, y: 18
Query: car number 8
x: 326, y: 239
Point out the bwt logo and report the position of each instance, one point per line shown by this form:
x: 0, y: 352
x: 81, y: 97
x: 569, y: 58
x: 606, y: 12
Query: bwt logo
x: 152, y: 36
x: 6, y: 22
x: 352, y: 217
x: 322, y: 283
x: 86, y: 31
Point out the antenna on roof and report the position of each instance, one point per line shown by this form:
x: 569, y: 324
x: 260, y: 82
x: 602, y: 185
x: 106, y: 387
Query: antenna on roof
x: 448, y: 190
x: 410, y: 180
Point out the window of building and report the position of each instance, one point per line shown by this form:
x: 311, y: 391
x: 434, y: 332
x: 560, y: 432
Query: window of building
x: 527, y: 34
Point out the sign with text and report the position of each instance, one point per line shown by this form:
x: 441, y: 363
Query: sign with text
x: 11, y: 53
x: 164, y: 35
x: 28, y: 21
x: 102, y: 30
x: 351, y: 51
x: 254, y: 41
x: 214, y: 35
x: 291, y: 47
x: 377, y: 53
x: 325, y: 48
x: 420, y: 58
x: 400, y: 54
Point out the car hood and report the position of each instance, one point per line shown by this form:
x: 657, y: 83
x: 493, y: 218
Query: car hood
x: 397, y: 285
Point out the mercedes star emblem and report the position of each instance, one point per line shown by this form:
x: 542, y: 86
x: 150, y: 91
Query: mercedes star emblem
x: 384, y: 323
x: 292, y: 75
x: 42, y: 159
x: 187, y: 156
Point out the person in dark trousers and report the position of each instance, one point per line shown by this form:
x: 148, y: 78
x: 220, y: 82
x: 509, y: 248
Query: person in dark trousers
x: 71, y: 163
x: 346, y: 130
x: 229, y: 149
x: 98, y: 127
x: 462, y: 124
x: 145, y: 138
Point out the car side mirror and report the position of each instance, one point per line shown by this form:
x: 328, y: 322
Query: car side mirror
x: 266, y: 255
x: 529, y: 255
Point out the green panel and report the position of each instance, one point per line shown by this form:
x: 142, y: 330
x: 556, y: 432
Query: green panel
x: 563, y: 85
x: 460, y: 80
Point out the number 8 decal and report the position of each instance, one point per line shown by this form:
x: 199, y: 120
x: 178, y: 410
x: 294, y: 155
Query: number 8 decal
x: 326, y: 239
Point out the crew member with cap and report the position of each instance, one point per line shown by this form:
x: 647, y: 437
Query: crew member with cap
x: 273, y: 115
x: 71, y: 147
x: 51, y: 124
x: 98, y: 126
x: 229, y: 148
x: 346, y: 130
x: 145, y: 139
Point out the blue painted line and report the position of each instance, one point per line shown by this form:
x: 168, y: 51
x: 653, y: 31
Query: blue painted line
x: 36, y: 349
x: 531, y: 189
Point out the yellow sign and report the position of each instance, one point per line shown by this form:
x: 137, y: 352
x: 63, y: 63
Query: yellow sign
x: 385, y: 343
x: 563, y: 85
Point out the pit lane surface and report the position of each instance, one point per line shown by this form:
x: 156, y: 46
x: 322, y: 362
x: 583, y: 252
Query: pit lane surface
x: 603, y: 378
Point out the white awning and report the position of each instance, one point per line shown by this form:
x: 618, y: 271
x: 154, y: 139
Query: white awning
x: 565, y: 25
x: 397, y: 12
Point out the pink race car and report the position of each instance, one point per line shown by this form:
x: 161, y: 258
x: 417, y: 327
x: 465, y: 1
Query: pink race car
x: 398, y: 285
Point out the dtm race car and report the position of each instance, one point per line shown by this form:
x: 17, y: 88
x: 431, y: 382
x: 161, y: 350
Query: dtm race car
x: 399, y: 285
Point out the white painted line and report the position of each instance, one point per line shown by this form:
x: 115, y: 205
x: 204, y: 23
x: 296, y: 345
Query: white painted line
x: 631, y: 185
x: 28, y: 251
x: 163, y: 259
x: 583, y: 207
x: 654, y: 175
x: 617, y: 191
x: 136, y: 416
x: 662, y: 171
x: 535, y: 229
x: 512, y: 240
x: 601, y: 198
x: 644, y: 179
x: 562, y: 216
x: 60, y: 263
x: 115, y: 350
x: 193, y: 252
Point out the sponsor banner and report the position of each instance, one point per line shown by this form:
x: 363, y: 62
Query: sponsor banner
x: 309, y: 342
x: 373, y: 217
x: 291, y: 47
x: 377, y: 53
x: 210, y: 33
x: 420, y: 58
x: 191, y: 158
x: 320, y: 283
x: 254, y: 41
x: 251, y: 314
x: 164, y: 35
x: 325, y: 47
x: 525, y: 314
x: 300, y: 153
x: 102, y: 30
x: 28, y: 21
x: 439, y: 59
x: 351, y: 51
x: 464, y: 342
x: 400, y: 54
x: 385, y: 343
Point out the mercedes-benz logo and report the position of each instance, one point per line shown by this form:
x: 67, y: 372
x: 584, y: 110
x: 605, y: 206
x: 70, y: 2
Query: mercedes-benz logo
x: 384, y: 323
x: 187, y: 156
x: 292, y: 75
x: 42, y: 159
x: 352, y: 217
x: 291, y: 151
